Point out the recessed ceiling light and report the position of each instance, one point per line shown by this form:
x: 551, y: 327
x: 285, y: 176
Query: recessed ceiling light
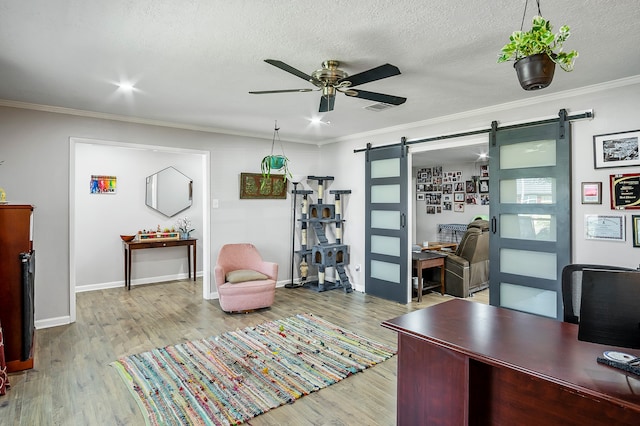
x: 125, y: 86
x: 318, y: 120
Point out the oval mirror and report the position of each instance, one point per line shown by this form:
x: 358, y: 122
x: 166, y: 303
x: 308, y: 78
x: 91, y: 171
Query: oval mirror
x: 169, y: 192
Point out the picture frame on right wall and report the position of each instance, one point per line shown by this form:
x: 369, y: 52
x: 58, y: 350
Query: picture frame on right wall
x: 635, y: 225
x: 616, y: 149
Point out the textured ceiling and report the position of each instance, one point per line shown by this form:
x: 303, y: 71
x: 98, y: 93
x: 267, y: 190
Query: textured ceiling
x: 193, y: 62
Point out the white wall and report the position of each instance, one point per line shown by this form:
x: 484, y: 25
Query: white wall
x: 101, y: 218
x: 615, y: 109
x: 35, y: 148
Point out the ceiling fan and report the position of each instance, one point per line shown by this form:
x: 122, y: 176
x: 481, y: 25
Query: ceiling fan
x: 330, y: 79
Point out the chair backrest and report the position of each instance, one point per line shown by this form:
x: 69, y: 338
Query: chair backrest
x: 233, y: 257
x: 474, y: 245
x: 572, y: 287
x: 609, y: 313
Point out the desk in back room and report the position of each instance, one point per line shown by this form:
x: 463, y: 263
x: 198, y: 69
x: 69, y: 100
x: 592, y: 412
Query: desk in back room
x: 466, y: 363
x: 428, y: 260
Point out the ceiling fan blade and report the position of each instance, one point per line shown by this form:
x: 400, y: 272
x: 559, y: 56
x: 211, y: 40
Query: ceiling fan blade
x: 326, y: 103
x: 292, y: 70
x: 377, y: 73
x: 378, y: 97
x: 262, y: 92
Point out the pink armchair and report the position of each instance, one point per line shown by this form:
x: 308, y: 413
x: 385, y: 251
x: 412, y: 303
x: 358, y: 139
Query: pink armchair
x: 245, y: 281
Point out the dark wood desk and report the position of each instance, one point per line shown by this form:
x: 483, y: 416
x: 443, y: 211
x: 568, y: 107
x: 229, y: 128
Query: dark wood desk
x: 466, y: 363
x: 150, y: 243
x: 426, y: 260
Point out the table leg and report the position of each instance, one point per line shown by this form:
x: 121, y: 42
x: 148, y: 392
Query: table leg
x: 442, y: 278
x: 419, y: 281
x: 125, y: 265
x: 129, y: 269
x: 194, y: 260
x: 189, y: 261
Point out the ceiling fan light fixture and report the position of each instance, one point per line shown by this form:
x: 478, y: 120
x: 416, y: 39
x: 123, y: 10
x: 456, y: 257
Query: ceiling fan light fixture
x: 330, y: 79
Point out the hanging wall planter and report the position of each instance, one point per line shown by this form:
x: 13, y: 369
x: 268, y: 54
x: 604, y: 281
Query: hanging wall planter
x: 274, y: 162
x: 536, y: 53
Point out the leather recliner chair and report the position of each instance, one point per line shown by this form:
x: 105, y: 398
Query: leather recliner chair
x: 467, y: 271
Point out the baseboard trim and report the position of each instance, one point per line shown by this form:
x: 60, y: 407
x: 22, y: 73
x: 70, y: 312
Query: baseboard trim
x: 52, y: 322
x: 139, y: 281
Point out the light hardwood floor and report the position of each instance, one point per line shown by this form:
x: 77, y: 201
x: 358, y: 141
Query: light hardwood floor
x: 73, y: 384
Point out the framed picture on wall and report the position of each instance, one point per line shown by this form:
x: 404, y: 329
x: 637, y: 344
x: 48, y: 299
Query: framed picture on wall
x: 458, y: 197
x: 616, y: 149
x: 470, y: 187
x: 420, y: 196
x: 625, y: 191
x: 483, y: 187
x: 635, y: 222
x: 604, y: 227
x: 591, y: 192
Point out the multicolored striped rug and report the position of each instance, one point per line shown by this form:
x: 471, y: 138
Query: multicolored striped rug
x: 228, y: 379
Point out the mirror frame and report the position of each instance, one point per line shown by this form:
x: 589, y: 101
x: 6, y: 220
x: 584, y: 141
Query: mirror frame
x: 154, y: 191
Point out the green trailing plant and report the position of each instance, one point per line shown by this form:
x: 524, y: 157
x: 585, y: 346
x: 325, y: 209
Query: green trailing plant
x: 539, y: 39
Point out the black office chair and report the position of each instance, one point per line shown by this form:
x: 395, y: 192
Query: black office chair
x: 572, y: 287
x: 609, y: 312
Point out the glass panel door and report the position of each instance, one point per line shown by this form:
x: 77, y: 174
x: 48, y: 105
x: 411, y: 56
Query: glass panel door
x: 530, y: 210
x: 386, y: 224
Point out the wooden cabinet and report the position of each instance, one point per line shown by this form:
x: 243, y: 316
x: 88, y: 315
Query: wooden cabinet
x: 16, y: 285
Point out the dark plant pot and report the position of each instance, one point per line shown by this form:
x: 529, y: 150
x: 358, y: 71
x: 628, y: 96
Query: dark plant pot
x: 535, y: 71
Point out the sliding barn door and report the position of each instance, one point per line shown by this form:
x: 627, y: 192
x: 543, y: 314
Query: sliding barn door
x: 530, y: 210
x: 386, y: 244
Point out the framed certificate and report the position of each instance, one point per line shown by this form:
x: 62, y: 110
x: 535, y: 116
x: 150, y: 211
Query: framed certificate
x: 625, y: 191
x: 604, y: 227
x: 635, y: 220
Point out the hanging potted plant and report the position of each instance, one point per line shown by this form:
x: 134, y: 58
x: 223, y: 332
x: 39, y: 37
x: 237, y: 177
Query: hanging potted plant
x: 536, y: 53
x: 274, y: 162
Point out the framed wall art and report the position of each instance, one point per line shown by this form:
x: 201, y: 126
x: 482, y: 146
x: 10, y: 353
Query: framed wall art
x: 251, y: 186
x: 591, y: 192
x: 635, y: 222
x: 483, y: 187
x: 616, y: 149
x: 103, y: 184
x: 625, y: 191
x: 604, y: 227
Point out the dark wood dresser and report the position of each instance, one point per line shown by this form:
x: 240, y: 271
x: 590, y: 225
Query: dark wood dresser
x: 17, y: 267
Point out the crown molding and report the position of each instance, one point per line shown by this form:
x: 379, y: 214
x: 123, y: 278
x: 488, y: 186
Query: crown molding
x: 623, y: 82
x: 628, y: 81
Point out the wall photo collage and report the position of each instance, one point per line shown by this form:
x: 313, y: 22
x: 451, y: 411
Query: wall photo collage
x: 449, y: 191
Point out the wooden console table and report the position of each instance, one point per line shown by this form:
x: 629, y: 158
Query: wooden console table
x: 147, y: 244
x: 466, y: 363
